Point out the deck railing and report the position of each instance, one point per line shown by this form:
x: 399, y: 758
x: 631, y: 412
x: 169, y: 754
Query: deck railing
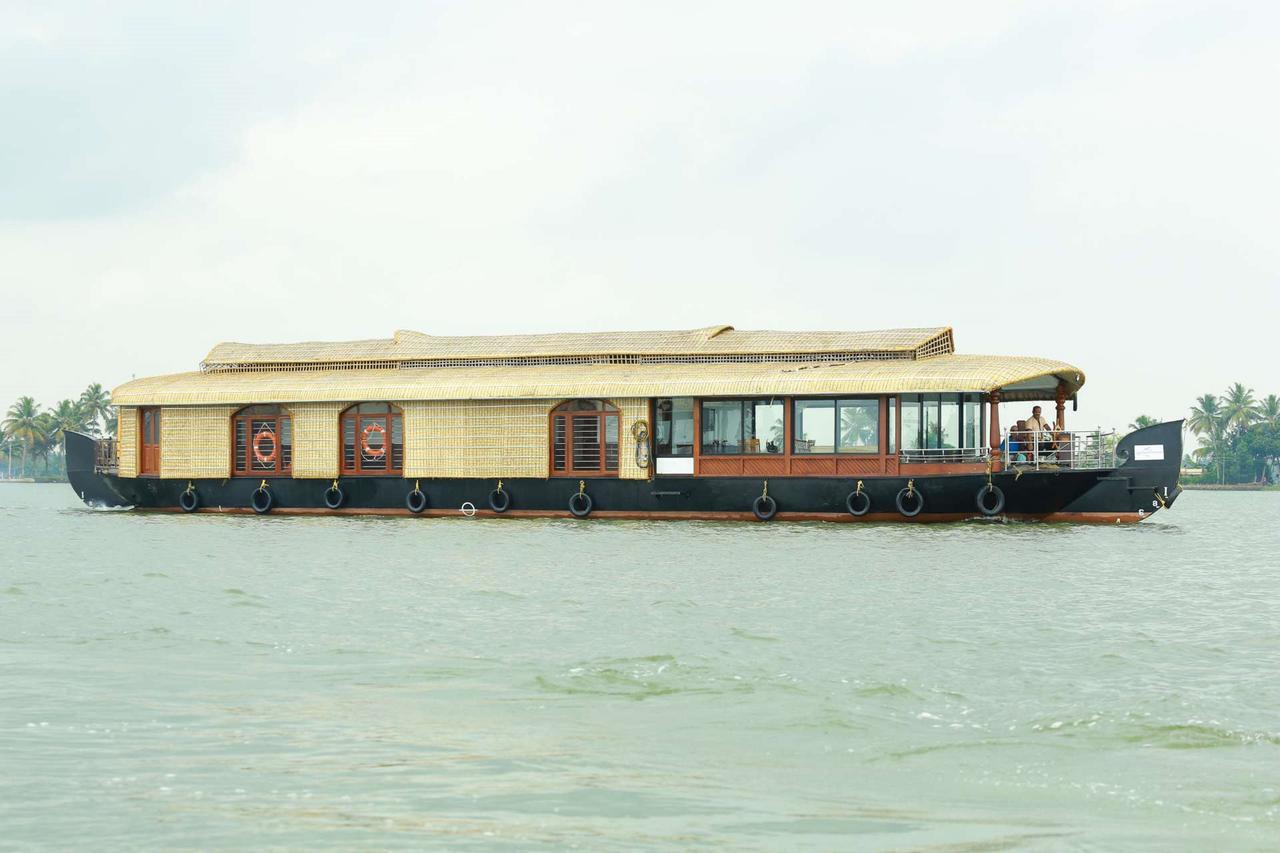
x: 1057, y: 449
x: 105, y: 456
x: 1079, y: 449
x: 945, y: 454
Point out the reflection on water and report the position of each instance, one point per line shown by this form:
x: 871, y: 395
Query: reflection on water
x: 226, y: 681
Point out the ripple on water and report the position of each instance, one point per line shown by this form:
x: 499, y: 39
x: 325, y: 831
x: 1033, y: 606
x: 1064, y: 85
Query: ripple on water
x: 650, y: 677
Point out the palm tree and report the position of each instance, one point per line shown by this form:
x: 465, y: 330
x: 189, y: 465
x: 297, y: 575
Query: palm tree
x: 1269, y: 410
x: 45, y: 443
x: 96, y: 402
x: 67, y: 415
x: 1239, y: 408
x: 1206, y: 416
x: 1142, y: 422
x: 23, y: 424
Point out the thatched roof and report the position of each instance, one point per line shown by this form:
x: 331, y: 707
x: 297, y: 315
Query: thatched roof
x: 1022, y: 379
x: 431, y: 350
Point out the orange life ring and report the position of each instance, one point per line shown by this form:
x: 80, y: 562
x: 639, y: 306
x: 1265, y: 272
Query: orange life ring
x: 265, y: 458
x: 376, y: 452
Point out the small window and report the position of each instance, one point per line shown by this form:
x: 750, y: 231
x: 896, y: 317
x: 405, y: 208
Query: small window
x: 673, y: 433
x: 742, y: 427
x: 372, y: 439
x: 262, y: 441
x: 584, y: 438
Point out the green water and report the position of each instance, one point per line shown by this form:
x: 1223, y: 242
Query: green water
x: 216, y: 682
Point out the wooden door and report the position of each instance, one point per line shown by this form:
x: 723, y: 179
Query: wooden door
x: 149, y: 442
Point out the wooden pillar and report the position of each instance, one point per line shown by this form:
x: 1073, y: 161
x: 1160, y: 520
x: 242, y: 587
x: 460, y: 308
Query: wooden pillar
x: 697, y: 435
x: 994, y: 397
x: 1061, y: 399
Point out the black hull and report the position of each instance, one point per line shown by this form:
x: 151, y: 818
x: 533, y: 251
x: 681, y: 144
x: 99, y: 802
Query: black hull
x: 1130, y: 492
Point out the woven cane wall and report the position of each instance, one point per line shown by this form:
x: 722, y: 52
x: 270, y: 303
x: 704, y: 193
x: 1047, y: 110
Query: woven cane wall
x: 497, y: 438
x: 630, y: 410
x: 315, y: 439
x: 195, y: 441
x: 475, y: 438
x: 127, y: 441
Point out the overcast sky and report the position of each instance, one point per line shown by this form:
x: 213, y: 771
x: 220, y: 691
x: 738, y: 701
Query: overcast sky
x: 1095, y: 182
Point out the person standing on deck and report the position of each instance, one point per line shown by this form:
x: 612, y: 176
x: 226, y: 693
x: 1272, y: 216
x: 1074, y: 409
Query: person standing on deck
x: 1037, y: 423
x: 1039, y: 435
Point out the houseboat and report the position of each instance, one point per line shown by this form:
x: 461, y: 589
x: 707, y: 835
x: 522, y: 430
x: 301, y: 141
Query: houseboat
x: 711, y: 423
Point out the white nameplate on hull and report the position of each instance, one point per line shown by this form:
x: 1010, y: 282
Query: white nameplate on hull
x: 675, y: 465
x: 1148, y: 452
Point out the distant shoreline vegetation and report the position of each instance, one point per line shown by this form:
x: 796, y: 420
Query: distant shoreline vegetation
x: 1239, y: 439
x: 31, y: 439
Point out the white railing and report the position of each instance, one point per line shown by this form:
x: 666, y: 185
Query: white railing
x: 1045, y: 449
x: 946, y: 454
x: 1059, y: 449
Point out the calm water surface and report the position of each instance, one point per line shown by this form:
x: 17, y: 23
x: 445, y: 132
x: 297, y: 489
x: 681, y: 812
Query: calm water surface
x: 170, y: 681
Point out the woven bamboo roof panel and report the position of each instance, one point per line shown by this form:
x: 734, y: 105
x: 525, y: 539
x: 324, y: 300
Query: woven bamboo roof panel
x: 408, y: 346
x: 1035, y: 377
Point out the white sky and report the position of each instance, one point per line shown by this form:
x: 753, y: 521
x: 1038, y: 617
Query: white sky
x: 1096, y: 182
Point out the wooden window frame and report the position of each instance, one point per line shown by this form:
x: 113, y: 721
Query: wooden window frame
x: 351, y: 414
x: 609, y: 410
x: 281, y: 468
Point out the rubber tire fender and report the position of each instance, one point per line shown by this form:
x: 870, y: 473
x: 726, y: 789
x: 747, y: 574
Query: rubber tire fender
x: 764, y: 507
x: 262, y: 501
x: 499, y: 502
x: 580, y: 504
x: 416, y: 501
x: 853, y: 498
x: 334, y: 497
x: 189, y: 500
x: 900, y: 502
x: 980, y: 498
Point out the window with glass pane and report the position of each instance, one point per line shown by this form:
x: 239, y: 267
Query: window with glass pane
x: 765, y: 431
x: 584, y: 438
x: 973, y: 421
x: 858, y: 422
x: 815, y: 426
x: 372, y: 439
x: 911, y: 422
x: 673, y: 434
x: 722, y: 427
x: 892, y: 425
x: 949, y: 421
x: 263, y: 441
x: 735, y: 427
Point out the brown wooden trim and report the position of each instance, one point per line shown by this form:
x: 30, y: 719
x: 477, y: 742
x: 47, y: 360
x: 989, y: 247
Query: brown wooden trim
x: 149, y: 449
x: 280, y: 469
x: 394, y: 413
x: 569, y: 416
x: 915, y: 469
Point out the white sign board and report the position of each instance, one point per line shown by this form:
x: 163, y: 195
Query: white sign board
x: 676, y: 465
x: 1148, y: 452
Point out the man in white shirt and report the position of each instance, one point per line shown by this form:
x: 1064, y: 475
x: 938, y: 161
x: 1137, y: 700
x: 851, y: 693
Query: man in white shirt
x: 1037, y: 423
